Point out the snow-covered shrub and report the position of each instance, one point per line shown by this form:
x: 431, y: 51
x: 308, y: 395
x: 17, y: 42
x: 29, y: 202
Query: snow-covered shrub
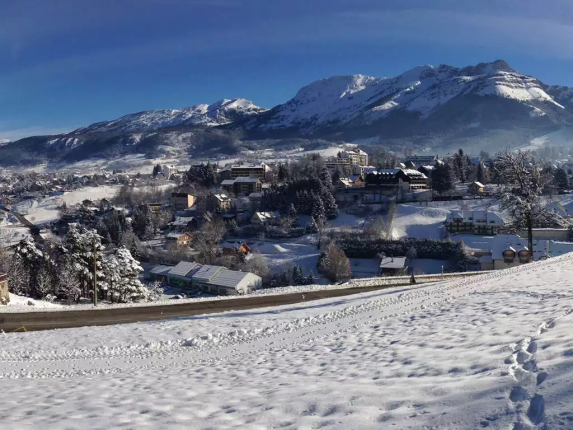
x: 155, y: 291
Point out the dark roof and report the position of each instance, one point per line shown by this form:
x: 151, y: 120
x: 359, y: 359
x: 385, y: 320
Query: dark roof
x: 183, y: 268
x: 161, y: 270
x: 206, y: 272
x: 228, y: 278
x: 245, y: 179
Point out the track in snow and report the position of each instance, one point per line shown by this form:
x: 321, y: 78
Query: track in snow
x: 222, y: 346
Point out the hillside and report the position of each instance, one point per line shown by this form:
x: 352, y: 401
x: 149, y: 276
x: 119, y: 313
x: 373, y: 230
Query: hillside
x: 443, y: 108
x: 492, y: 351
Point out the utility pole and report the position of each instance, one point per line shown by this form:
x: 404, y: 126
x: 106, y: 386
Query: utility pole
x: 95, y: 272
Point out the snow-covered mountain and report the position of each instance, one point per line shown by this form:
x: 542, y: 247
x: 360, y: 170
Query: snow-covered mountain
x: 562, y: 95
x: 219, y: 113
x: 489, y: 105
x: 354, y: 101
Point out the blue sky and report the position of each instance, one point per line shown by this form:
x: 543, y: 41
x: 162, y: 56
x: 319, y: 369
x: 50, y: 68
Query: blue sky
x: 69, y: 63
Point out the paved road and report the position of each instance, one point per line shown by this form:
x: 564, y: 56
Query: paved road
x: 106, y: 316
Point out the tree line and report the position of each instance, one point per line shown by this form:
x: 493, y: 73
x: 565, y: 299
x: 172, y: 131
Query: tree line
x: 73, y: 269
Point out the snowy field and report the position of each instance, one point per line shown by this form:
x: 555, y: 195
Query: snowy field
x: 493, y: 351
x: 283, y: 254
x: 46, y: 210
x: 11, y: 230
x: 11, y: 235
x: 22, y: 304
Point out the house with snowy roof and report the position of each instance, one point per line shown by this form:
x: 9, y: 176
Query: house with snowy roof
x: 392, y: 265
x: 473, y: 222
x: 175, y: 240
x: 476, y: 188
x: 512, y: 250
x: 265, y: 217
x: 185, y: 224
x: 235, y: 247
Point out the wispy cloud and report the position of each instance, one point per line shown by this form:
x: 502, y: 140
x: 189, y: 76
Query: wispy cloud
x: 538, y: 37
x: 19, y: 133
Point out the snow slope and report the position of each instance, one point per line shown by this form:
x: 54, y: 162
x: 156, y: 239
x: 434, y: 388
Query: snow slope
x: 46, y: 209
x: 492, y: 351
x: 561, y: 137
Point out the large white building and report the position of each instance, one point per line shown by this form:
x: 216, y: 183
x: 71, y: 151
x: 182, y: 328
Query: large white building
x: 356, y: 156
x: 473, y: 222
x: 421, y: 160
x: 256, y: 170
x: 511, y: 250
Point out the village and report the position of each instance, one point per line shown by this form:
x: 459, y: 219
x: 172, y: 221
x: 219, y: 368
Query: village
x: 212, y: 229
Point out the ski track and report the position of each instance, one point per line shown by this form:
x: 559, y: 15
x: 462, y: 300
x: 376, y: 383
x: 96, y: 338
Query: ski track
x: 223, y: 346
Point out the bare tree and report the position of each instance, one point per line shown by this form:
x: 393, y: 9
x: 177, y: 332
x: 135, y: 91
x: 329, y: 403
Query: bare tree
x: 376, y: 228
x: 321, y: 225
x: 522, y: 197
x: 68, y: 283
x: 334, y: 264
x: 411, y: 253
x: 208, y: 239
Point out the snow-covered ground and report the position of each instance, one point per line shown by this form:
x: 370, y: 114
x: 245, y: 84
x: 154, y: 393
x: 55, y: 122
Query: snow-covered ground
x: 11, y: 230
x: 46, y: 210
x: 282, y: 254
x: 493, y: 351
x: 11, y: 235
x: 428, y: 266
x: 561, y: 137
x: 24, y: 304
x: 419, y: 221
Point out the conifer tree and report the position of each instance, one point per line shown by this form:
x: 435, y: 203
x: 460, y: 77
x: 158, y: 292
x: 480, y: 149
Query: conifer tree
x: 122, y: 278
x: 318, y: 210
x: 311, y: 226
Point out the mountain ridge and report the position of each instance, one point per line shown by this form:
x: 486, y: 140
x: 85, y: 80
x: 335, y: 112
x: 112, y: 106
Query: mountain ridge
x: 219, y: 113
x: 427, y: 106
